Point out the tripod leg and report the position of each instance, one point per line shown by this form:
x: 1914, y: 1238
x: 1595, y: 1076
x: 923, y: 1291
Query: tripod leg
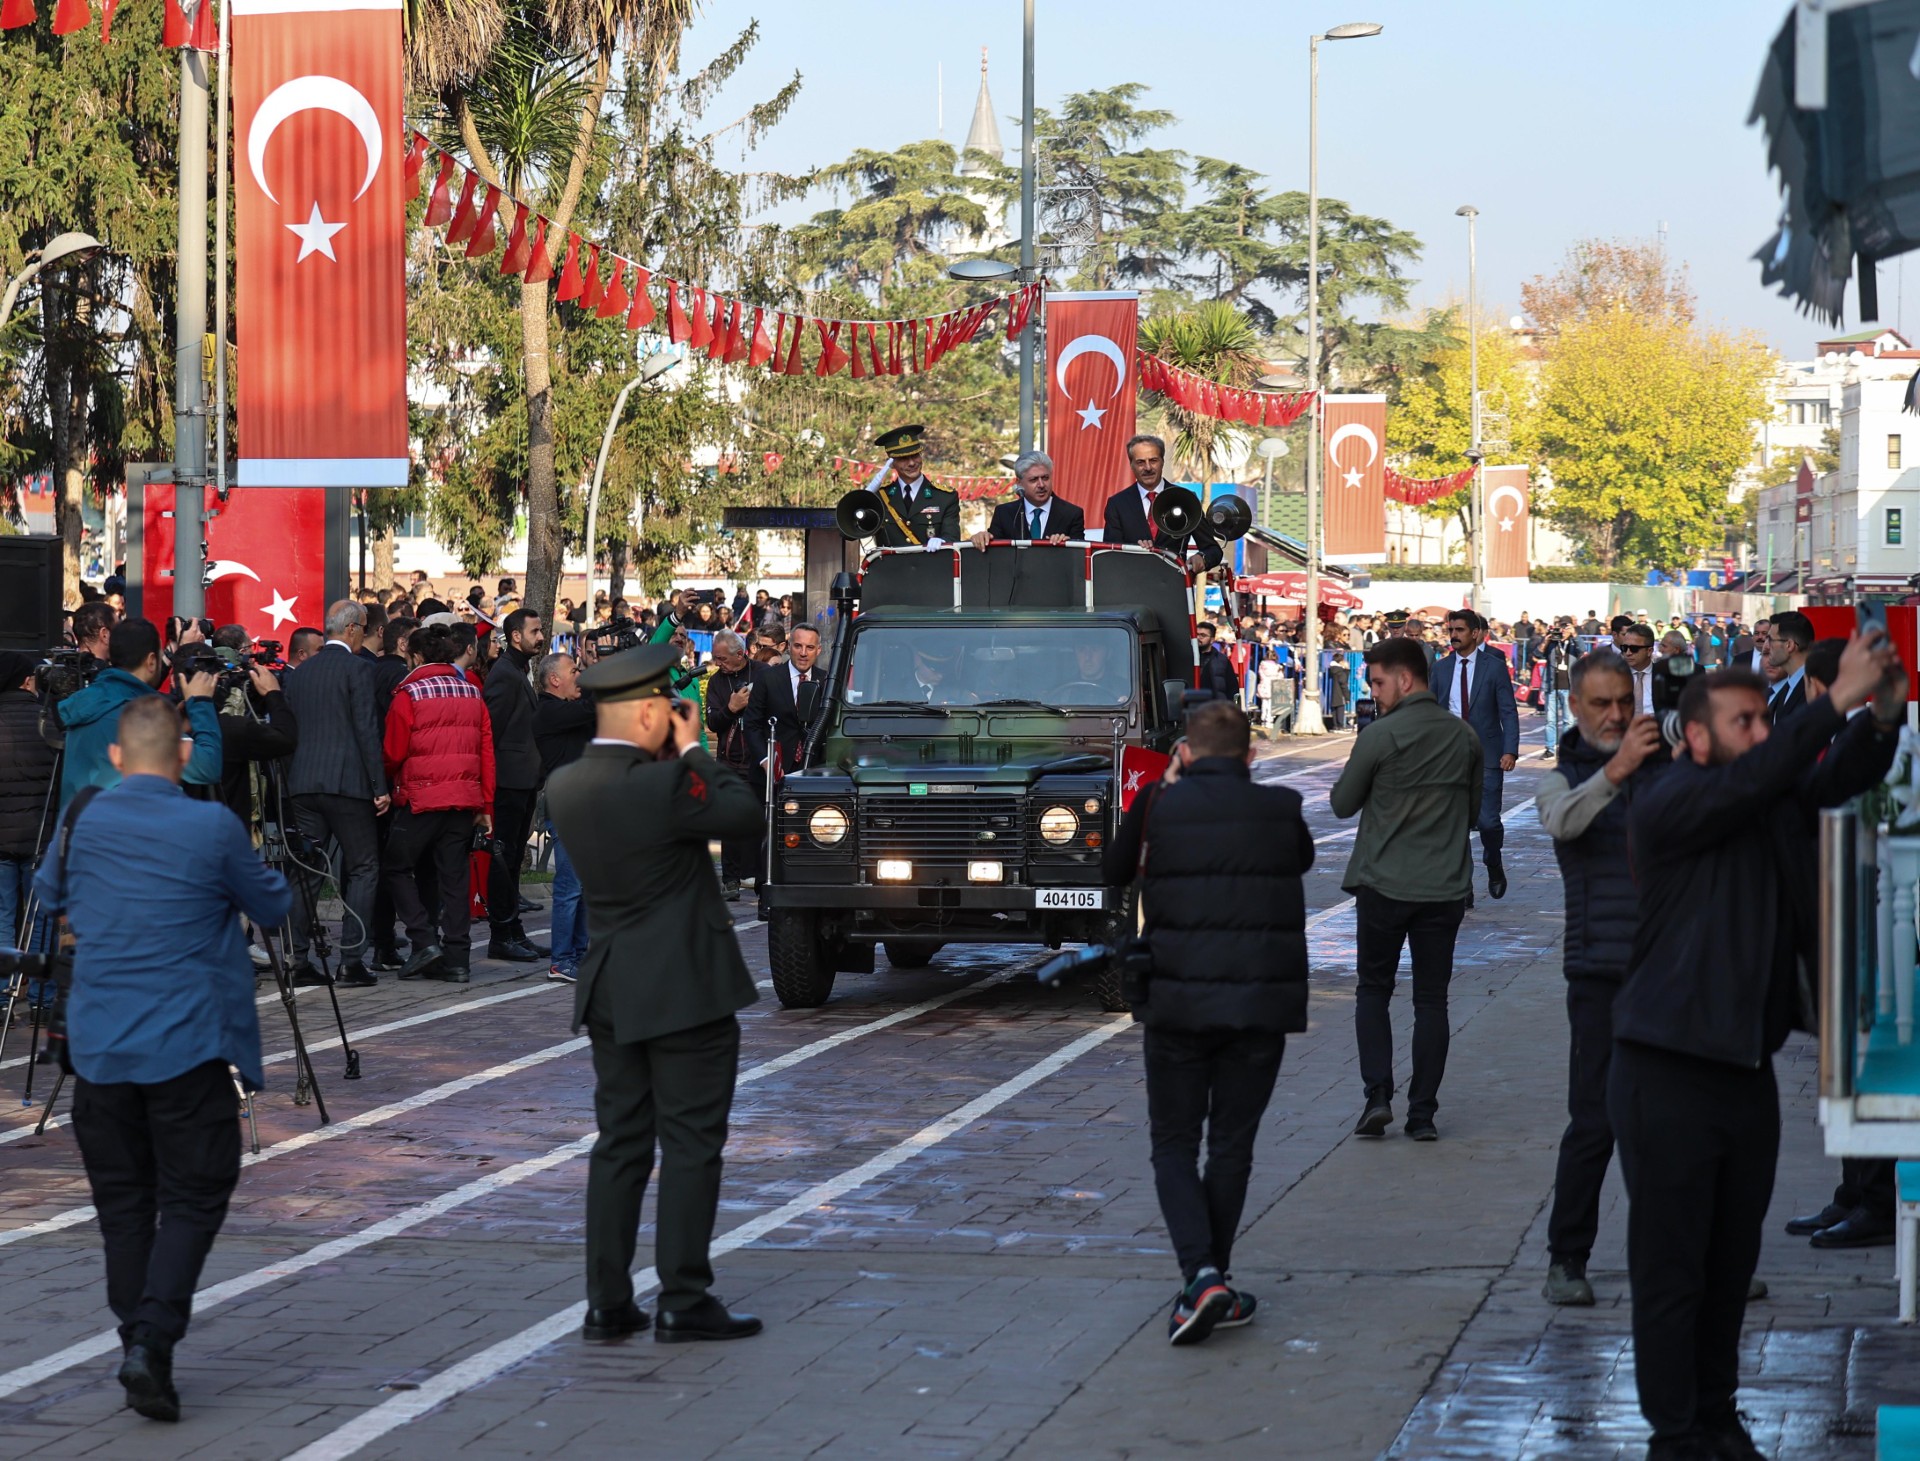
x: 52, y: 1096
x: 15, y: 984
x: 340, y: 1021
x: 246, y: 1105
x: 303, y: 1062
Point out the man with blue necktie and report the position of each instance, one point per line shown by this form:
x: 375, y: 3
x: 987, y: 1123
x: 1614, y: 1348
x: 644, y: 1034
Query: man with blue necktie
x: 1036, y: 515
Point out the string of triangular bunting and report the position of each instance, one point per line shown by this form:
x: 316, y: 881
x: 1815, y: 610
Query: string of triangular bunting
x: 594, y: 277
x: 969, y: 489
x: 195, y: 27
x: 1205, y: 397
x: 1419, y: 491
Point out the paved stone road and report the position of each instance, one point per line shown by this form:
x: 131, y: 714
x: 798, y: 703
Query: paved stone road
x: 939, y: 1199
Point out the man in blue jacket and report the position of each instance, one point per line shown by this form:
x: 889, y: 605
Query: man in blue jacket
x: 1706, y: 1002
x: 161, y: 1005
x: 1475, y: 682
x: 133, y: 670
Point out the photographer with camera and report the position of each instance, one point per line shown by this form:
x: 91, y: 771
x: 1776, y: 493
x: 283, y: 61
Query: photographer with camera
x: 1220, y: 860
x: 134, y: 670
x: 1707, y: 1001
x: 1612, y: 754
x: 161, y: 1004
x: 256, y: 723
x: 438, y: 754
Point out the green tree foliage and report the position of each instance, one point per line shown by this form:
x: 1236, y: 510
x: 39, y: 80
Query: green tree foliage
x: 910, y: 206
x: 1431, y: 426
x: 1643, y: 423
x: 1108, y: 203
x: 1214, y: 340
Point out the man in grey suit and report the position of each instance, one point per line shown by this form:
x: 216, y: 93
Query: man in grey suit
x: 338, y: 785
x: 1475, y: 682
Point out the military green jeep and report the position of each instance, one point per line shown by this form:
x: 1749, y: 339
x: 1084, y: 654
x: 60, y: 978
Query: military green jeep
x: 961, y: 781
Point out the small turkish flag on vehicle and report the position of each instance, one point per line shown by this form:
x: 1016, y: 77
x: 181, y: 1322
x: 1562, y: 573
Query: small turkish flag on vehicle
x: 1139, y: 769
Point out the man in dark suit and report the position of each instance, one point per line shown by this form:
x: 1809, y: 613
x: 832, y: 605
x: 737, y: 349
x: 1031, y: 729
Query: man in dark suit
x: 1130, y: 510
x: 338, y: 784
x: 784, y: 700
x: 658, y: 990
x: 1786, y: 672
x: 1476, y: 683
x: 511, y: 704
x: 729, y: 692
x: 914, y: 513
x: 1036, y: 515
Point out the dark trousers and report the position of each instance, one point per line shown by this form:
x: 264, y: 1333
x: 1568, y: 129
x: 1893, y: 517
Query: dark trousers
x: 678, y: 1090
x: 1867, y: 1182
x: 512, y: 825
x: 1493, y: 831
x: 1427, y: 930
x: 439, y: 841
x: 162, y: 1161
x: 1587, y: 1144
x: 349, y: 821
x: 1220, y: 1081
x: 744, y: 857
x: 383, y: 909
x: 1698, y: 1142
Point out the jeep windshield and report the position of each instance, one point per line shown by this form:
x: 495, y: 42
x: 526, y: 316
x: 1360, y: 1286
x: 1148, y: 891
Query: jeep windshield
x: 976, y: 664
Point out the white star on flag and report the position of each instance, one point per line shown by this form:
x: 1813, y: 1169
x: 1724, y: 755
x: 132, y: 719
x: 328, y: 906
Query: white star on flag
x: 1354, y: 476
x: 315, y: 235
x: 1506, y: 524
x: 1092, y: 415
x: 281, y: 610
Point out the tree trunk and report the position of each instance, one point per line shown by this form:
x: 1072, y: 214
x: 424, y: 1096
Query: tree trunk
x: 383, y: 560
x: 616, y: 569
x: 68, y: 408
x: 543, y: 492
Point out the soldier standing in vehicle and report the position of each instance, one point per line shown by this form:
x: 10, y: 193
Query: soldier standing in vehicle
x: 914, y: 513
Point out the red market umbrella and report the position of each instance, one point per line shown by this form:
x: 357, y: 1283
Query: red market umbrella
x: 1293, y: 588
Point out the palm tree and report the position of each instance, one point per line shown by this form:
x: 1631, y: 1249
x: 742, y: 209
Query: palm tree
x: 1212, y: 340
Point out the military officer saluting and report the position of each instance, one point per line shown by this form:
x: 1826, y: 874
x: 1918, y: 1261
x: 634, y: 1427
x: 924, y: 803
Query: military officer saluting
x: 914, y: 513
x: 658, y: 988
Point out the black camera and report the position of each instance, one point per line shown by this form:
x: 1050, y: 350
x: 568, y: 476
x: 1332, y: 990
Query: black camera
x: 64, y: 671
x: 1671, y: 676
x: 612, y: 638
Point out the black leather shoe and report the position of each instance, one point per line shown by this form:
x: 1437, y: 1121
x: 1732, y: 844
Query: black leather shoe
x: 451, y: 970
x: 527, y: 905
x: 608, y: 1326
x: 1858, y: 1229
x: 305, y: 976
x: 1496, y: 879
x: 387, y: 961
x: 1375, y: 1120
x: 1810, y: 1223
x: 421, y: 960
x: 515, y: 951
x: 707, y: 1319
x: 355, y: 976
x: 1422, y: 1131
x: 146, y: 1374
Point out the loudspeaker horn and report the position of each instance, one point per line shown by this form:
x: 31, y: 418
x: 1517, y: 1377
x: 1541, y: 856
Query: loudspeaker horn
x: 1176, y: 512
x: 857, y: 515
x: 1230, y: 516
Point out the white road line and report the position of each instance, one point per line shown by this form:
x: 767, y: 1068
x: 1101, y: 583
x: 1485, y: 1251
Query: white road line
x: 478, y: 1369
x: 14, y: 1381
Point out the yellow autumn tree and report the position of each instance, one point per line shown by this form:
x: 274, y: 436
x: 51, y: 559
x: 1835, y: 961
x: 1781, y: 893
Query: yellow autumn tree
x: 1430, y: 426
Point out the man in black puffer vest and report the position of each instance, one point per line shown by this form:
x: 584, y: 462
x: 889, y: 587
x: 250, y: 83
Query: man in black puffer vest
x: 1220, y: 860
x: 1605, y: 761
x: 26, y: 772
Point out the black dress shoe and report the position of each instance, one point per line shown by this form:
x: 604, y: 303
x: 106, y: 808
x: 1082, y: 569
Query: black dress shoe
x: 1858, y: 1229
x: 1496, y: 880
x: 305, y: 976
x: 451, y: 970
x: 421, y: 960
x: 514, y: 951
x: 707, y: 1319
x: 355, y: 976
x: 1808, y: 1224
x: 386, y: 961
x: 527, y: 905
x: 1422, y: 1131
x: 146, y: 1374
x: 1375, y: 1120
x: 607, y: 1326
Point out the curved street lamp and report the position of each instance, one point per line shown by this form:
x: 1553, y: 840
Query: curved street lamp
x: 658, y: 366
x: 61, y: 249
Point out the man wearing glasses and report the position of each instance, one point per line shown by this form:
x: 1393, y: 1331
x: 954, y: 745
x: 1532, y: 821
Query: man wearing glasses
x: 1635, y: 644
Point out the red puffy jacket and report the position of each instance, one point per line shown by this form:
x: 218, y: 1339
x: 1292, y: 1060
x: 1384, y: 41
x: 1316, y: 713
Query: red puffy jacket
x: 439, y: 743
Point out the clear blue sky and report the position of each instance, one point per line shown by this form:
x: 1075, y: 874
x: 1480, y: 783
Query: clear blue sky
x: 1558, y: 120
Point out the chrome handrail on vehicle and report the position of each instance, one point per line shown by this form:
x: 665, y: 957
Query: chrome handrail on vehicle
x: 1839, y: 949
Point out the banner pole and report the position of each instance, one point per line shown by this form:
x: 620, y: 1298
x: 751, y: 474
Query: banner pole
x: 220, y: 199
x: 189, y: 340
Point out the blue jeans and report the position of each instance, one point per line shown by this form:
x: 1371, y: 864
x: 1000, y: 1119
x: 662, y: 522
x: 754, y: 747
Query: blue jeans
x: 569, y: 932
x: 1559, y: 717
x: 16, y: 887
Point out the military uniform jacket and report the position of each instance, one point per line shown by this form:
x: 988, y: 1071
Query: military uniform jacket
x: 637, y: 829
x: 934, y: 513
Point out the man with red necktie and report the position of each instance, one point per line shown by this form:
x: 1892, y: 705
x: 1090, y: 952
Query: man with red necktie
x: 1130, y: 510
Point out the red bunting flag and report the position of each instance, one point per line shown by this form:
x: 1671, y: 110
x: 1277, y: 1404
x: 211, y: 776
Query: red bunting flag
x: 832, y: 357
x: 641, y: 315
x: 540, y: 270
x: 591, y: 291
x: 570, y: 281
x: 759, y: 347
x: 613, y: 299
x: 440, y: 202
x: 702, y: 335
x: 70, y: 16
x: 464, y: 214
x: 857, y: 356
x: 518, y: 253
x: 410, y: 169
x: 678, y: 330
x: 794, y: 365
x: 484, y: 237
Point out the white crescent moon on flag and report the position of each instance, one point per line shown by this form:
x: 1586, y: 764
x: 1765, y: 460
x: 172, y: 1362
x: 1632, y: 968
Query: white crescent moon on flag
x: 1098, y: 343
x: 1352, y: 428
x: 220, y: 569
x: 1507, y: 489
x: 307, y: 94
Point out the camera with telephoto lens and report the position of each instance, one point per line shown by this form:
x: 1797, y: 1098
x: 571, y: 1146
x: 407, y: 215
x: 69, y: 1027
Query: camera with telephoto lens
x: 64, y: 671
x: 1671, y: 676
x: 197, y: 659
x: 612, y: 638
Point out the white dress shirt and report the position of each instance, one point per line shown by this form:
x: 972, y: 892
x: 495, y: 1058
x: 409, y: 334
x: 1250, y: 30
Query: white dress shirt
x: 1643, y: 692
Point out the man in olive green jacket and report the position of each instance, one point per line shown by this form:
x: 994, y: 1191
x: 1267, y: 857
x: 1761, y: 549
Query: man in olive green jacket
x: 658, y: 989
x: 1415, y: 776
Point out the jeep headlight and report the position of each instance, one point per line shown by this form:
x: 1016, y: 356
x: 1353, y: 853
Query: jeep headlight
x: 1057, y: 825
x: 828, y: 824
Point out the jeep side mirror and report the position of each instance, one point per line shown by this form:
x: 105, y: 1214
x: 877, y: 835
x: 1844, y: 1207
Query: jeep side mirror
x: 1173, y: 694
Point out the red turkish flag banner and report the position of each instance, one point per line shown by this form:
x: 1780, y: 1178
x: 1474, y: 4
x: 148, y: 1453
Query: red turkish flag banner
x: 1353, y: 479
x: 1091, y: 393
x: 266, y: 558
x: 320, y: 295
x: 1509, y: 510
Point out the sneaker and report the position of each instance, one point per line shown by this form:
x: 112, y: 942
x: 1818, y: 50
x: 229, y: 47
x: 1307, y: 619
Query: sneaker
x: 1239, y: 1312
x: 558, y: 975
x: 1567, y: 1285
x: 1199, y: 1307
x: 259, y: 957
x: 1375, y: 1120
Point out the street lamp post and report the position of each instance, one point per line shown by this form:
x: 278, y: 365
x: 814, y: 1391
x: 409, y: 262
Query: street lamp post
x: 1307, y: 720
x: 1269, y: 448
x: 658, y: 366
x: 62, y: 248
x: 1476, y: 512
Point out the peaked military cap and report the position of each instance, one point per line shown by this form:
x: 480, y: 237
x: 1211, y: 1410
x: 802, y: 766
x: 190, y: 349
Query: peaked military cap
x: 632, y: 674
x: 902, y: 441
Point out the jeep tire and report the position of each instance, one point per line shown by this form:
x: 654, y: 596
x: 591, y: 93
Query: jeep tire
x: 802, y: 969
